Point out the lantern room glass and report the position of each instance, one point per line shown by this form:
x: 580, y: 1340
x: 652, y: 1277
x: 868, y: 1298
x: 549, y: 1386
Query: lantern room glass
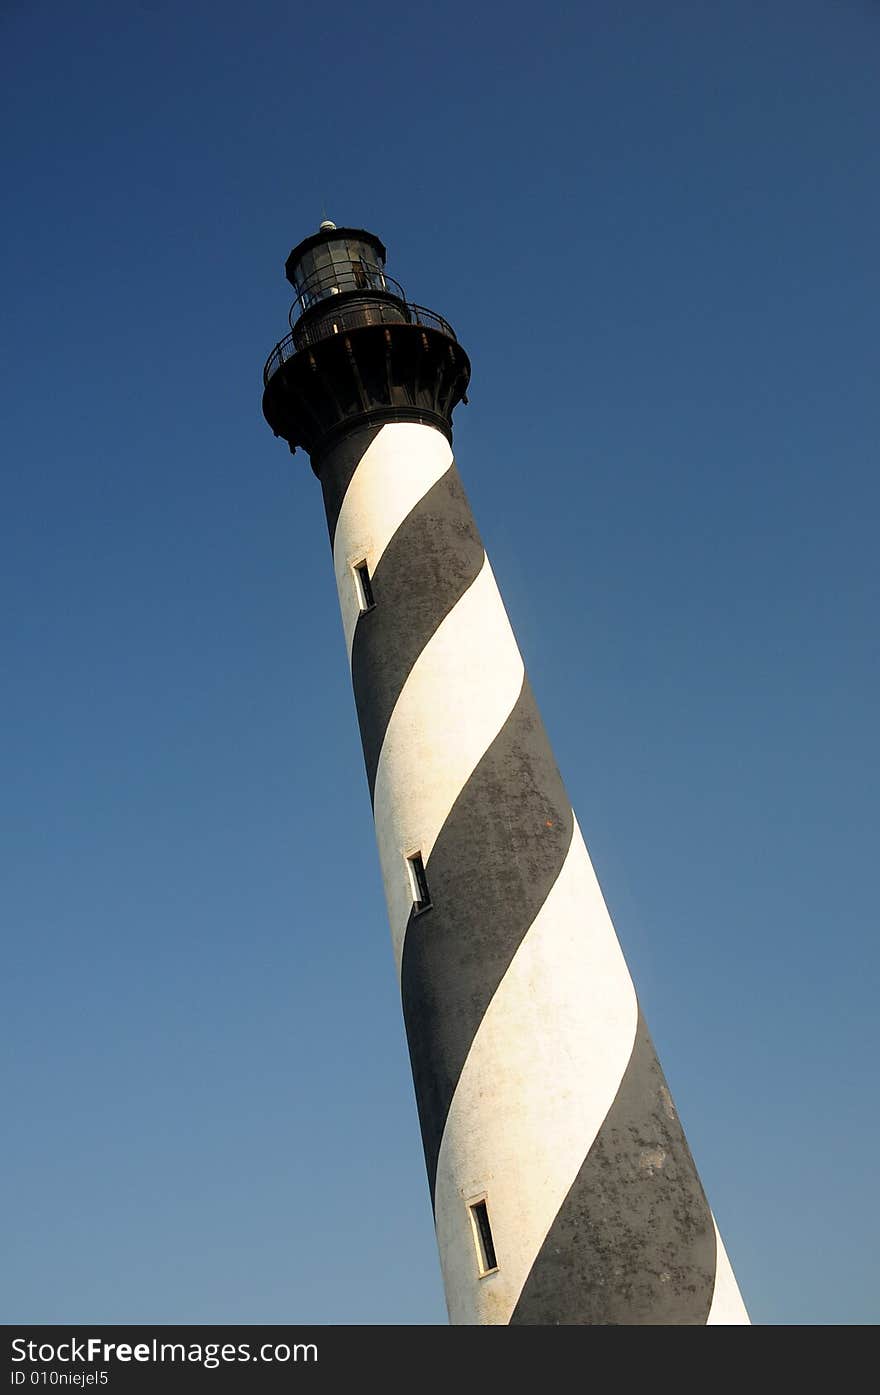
x: 337, y: 266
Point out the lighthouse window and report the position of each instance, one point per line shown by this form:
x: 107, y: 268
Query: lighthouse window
x: 418, y: 882
x: 486, y: 1258
x: 366, y: 599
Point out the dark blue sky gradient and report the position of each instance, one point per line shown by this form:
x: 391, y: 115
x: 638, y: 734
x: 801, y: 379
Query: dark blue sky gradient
x: 655, y: 230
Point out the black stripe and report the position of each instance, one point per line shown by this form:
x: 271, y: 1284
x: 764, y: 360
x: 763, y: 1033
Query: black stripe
x: 490, y: 871
x: 338, y: 467
x: 433, y: 558
x: 633, y: 1243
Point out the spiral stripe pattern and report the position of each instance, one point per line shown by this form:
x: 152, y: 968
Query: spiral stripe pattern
x: 538, y: 1088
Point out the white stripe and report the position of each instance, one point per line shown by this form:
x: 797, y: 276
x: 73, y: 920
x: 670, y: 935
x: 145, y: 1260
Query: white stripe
x: 728, y: 1308
x: 457, y: 697
x: 402, y: 462
x: 542, y: 1072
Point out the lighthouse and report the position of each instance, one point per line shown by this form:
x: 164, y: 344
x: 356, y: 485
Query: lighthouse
x: 562, y: 1184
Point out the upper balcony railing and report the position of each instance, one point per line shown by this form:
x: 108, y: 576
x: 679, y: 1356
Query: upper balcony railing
x: 354, y: 315
x: 341, y: 277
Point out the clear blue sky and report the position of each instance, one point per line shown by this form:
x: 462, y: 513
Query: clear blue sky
x: 655, y: 230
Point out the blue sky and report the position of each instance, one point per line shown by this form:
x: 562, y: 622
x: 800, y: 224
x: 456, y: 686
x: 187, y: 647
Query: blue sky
x: 654, y: 229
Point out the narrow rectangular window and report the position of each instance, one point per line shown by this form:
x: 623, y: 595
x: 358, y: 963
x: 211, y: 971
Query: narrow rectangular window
x: 483, y: 1238
x: 418, y: 882
x: 366, y: 599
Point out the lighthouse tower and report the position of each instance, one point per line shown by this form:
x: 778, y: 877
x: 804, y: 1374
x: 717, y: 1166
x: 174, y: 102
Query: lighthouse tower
x: 562, y: 1184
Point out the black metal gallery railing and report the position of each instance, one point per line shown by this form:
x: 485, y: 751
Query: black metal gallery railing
x: 339, y: 278
x: 354, y: 316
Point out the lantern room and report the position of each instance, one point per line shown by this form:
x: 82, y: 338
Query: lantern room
x: 335, y: 261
